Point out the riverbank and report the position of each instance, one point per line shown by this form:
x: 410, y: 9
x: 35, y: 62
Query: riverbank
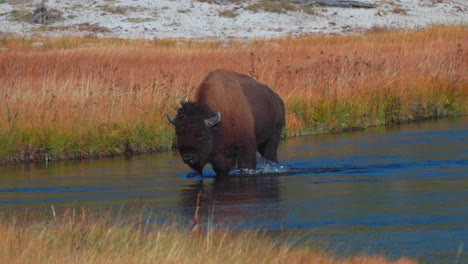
x: 69, y: 98
x: 80, y: 236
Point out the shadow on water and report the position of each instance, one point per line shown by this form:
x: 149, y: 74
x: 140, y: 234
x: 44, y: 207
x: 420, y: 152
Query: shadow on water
x: 398, y: 191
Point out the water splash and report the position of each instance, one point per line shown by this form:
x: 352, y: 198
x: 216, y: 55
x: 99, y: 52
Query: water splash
x: 264, y: 166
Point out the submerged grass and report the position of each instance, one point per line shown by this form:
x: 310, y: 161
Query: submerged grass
x: 80, y: 236
x: 83, y: 97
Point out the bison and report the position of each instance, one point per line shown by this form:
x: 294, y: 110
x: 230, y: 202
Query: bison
x: 231, y: 118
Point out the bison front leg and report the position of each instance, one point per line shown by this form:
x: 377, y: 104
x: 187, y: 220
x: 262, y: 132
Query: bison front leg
x: 222, y: 165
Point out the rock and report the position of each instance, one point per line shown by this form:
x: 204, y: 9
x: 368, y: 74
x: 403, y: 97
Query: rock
x: 345, y: 3
x: 340, y: 3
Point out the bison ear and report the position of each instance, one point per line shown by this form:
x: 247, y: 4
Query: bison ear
x: 211, y: 122
x: 170, y: 118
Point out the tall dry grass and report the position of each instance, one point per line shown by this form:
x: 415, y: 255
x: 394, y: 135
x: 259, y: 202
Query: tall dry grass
x: 74, y: 97
x: 79, y: 236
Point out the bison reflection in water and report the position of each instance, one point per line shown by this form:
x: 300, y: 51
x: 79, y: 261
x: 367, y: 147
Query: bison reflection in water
x: 236, y: 200
x: 231, y: 118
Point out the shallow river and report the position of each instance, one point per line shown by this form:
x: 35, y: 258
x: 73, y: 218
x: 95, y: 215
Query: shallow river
x: 399, y: 191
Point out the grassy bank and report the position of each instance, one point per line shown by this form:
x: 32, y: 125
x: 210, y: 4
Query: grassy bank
x: 78, y: 236
x: 77, y: 97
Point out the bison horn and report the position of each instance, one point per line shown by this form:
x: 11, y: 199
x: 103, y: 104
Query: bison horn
x: 170, y: 118
x: 211, y: 122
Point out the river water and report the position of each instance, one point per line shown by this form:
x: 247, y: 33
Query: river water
x: 397, y: 191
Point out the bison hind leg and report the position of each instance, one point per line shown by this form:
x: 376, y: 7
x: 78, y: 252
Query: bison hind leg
x: 247, y: 157
x: 269, y: 149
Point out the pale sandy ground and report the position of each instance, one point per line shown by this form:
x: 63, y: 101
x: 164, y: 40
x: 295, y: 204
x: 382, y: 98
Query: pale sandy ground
x: 156, y: 19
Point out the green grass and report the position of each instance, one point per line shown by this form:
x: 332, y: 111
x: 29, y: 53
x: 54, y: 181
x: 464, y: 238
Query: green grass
x: 138, y: 19
x: 21, y: 15
x: 272, y: 6
x: 122, y: 10
x: 228, y: 13
x: 19, y: 144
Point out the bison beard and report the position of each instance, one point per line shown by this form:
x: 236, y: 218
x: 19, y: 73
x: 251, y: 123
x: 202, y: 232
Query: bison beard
x: 231, y: 118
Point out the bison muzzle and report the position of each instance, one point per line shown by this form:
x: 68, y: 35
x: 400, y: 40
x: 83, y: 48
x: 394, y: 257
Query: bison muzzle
x: 231, y: 118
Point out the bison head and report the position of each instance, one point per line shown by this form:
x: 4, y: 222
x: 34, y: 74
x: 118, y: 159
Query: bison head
x: 196, y: 127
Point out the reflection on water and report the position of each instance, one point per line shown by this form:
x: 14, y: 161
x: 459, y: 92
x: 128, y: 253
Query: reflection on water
x: 394, y: 191
x: 237, y: 201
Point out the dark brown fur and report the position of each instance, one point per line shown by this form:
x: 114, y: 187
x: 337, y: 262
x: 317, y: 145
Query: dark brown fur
x: 252, y: 117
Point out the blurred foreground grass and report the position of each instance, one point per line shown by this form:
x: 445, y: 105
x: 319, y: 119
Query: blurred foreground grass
x: 81, y: 236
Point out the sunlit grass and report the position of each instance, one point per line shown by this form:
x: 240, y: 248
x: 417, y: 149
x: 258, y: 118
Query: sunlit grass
x: 86, y: 97
x: 81, y: 236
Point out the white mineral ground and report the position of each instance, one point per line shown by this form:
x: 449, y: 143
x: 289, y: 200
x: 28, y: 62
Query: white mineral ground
x: 192, y: 19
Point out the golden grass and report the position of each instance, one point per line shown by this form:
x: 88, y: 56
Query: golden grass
x: 79, y: 97
x: 78, y: 236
